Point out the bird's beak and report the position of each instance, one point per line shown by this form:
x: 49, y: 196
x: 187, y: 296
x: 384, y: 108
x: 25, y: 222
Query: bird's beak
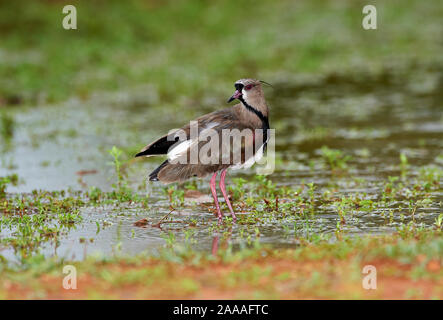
x: 236, y: 95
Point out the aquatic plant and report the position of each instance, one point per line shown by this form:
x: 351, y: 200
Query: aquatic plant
x: 336, y: 159
x: 5, y: 181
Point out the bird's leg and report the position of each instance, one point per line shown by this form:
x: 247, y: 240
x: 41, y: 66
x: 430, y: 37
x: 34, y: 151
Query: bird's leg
x: 225, y: 195
x: 214, y: 195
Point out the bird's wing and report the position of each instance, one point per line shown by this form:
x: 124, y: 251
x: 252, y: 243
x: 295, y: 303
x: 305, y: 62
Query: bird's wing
x: 177, y: 142
x: 158, y: 147
x: 192, y: 140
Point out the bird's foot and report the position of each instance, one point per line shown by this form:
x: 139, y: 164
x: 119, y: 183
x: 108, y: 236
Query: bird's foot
x: 219, y: 216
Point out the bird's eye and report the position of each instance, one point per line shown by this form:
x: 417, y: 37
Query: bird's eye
x: 249, y: 86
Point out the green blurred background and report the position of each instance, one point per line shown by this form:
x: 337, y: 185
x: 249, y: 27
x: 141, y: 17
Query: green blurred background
x: 196, y: 48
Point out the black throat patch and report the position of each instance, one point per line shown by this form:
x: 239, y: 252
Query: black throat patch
x: 264, y: 120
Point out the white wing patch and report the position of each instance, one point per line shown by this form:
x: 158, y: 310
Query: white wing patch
x: 210, y: 125
x: 250, y: 162
x: 184, y: 146
x: 180, y: 149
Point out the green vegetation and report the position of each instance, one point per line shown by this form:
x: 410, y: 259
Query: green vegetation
x: 35, y: 219
x: 4, y: 181
x: 335, y: 158
x: 184, y: 48
x: 42, y: 216
x: 7, y: 125
x: 358, y: 150
x: 310, y: 271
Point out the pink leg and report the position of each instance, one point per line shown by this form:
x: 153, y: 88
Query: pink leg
x: 225, y: 195
x: 214, y: 195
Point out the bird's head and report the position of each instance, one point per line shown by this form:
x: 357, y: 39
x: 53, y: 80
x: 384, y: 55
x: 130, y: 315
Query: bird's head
x: 247, y: 90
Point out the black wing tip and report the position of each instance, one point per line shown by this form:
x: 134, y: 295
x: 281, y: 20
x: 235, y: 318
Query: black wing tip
x: 142, y: 153
x: 159, y: 147
x: 153, y: 175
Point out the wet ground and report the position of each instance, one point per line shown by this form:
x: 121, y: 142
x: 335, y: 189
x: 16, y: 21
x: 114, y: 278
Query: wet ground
x: 384, y: 124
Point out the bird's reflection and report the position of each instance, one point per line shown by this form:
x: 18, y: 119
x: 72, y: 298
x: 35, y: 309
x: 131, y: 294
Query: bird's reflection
x: 215, y: 244
x: 224, y: 243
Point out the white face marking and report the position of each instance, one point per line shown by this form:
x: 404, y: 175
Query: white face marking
x: 245, y: 94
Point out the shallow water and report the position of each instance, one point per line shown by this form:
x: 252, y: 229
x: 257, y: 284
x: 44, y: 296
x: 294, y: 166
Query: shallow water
x: 373, y: 118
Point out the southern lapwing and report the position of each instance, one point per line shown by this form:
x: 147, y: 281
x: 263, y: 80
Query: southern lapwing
x: 204, y: 145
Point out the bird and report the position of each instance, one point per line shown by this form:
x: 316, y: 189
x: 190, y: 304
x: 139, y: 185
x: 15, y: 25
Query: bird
x: 204, y: 146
